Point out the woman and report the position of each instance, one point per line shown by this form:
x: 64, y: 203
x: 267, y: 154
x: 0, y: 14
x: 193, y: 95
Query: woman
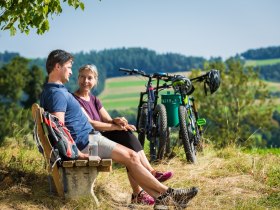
x: 116, y: 129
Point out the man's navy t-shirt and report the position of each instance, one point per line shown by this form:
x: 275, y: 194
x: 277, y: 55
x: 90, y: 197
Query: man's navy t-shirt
x: 56, y: 98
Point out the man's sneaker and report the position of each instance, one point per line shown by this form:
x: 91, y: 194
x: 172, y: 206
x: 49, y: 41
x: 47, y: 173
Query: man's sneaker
x: 163, y: 176
x: 142, y: 198
x: 175, y: 197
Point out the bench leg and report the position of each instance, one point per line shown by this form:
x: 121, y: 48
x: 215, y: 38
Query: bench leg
x: 79, y: 182
x: 93, y: 194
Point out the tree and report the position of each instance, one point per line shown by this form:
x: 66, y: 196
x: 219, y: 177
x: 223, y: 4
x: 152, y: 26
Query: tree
x: 34, y: 86
x: 26, y: 14
x: 240, y: 110
x: 13, y: 80
x: 19, y: 86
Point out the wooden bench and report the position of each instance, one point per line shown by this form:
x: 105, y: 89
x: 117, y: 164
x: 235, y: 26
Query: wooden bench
x: 74, y: 178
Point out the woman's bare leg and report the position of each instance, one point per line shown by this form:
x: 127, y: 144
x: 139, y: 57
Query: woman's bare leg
x: 145, y: 161
x: 134, y: 185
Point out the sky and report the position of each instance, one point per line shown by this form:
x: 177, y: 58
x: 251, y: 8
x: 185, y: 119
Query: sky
x: 207, y: 28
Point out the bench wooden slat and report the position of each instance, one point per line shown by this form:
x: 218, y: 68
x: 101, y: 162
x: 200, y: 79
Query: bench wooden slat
x: 104, y: 168
x: 68, y: 164
x: 106, y: 162
x: 80, y: 163
x: 93, y: 161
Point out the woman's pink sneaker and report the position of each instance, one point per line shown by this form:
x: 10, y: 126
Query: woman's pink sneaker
x: 143, y: 198
x: 163, y: 176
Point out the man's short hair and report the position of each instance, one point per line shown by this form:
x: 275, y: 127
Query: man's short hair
x: 57, y: 56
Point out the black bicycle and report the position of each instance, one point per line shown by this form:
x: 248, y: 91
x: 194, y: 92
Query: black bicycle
x: 151, y: 116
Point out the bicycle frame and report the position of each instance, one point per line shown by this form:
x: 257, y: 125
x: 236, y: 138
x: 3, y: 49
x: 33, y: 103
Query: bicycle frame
x: 151, y: 102
x: 155, y: 113
x: 188, y: 102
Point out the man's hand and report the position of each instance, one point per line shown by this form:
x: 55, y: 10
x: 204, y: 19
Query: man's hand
x: 82, y: 156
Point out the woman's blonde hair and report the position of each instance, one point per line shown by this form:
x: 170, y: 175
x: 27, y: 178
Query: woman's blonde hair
x: 92, y: 68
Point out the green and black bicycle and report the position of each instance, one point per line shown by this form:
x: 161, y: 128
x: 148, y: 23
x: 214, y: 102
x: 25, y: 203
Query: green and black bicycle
x: 191, y: 125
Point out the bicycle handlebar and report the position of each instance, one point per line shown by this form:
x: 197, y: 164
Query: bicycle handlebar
x: 158, y: 75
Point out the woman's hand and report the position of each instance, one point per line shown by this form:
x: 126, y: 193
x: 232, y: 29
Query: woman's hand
x: 127, y: 127
x: 130, y: 127
x: 120, y: 121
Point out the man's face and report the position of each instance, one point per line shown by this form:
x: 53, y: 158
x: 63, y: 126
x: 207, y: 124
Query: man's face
x: 66, y: 71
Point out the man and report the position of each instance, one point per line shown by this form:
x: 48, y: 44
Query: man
x: 56, y: 99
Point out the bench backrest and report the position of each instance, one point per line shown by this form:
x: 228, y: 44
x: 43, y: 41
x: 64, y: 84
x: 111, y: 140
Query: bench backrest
x: 47, y: 148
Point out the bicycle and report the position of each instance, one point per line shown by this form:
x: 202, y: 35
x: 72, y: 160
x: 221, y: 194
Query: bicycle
x: 151, y: 117
x: 191, y: 125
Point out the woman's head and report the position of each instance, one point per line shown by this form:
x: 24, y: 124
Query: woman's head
x: 88, y: 77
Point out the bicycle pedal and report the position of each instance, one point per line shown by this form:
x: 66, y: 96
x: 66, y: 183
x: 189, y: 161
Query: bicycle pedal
x: 201, y: 121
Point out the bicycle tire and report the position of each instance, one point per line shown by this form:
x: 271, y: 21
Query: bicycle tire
x: 189, y: 147
x: 160, y: 120
x: 142, y: 124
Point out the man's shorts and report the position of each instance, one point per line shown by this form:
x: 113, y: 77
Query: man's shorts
x: 105, y: 146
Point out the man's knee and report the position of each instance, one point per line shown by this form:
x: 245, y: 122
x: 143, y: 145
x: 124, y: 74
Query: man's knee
x: 133, y: 157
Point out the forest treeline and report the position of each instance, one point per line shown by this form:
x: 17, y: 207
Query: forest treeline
x: 270, y: 72
x: 262, y: 53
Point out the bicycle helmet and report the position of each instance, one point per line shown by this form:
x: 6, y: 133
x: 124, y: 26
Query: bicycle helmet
x: 183, y: 83
x: 213, y: 80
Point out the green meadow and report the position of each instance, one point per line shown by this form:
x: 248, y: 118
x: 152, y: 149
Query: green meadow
x: 124, y: 92
x: 262, y: 62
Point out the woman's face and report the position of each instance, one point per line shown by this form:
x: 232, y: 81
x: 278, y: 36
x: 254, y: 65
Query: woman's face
x: 86, y: 80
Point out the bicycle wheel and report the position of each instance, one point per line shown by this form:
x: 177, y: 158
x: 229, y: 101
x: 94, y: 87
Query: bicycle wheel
x: 185, y: 131
x: 142, y: 124
x: 160, y: 133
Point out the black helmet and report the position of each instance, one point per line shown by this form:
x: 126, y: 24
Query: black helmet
x: 213, y: 80
x: 183, y: 83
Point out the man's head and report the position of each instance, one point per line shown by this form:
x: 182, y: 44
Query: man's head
x: 57, y: 57
x: 59, y: 66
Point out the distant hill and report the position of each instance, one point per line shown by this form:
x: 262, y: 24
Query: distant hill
x: 262, y: 53
x: 7, y: 56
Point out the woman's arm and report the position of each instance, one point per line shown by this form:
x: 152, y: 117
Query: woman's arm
x: 105, y: 117
x: 107, y: 125
x: 120, y: 122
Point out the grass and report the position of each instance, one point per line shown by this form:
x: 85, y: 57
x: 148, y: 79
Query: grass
x: 273, y: 86
x: 229, y: 178
x: 262, y: 62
